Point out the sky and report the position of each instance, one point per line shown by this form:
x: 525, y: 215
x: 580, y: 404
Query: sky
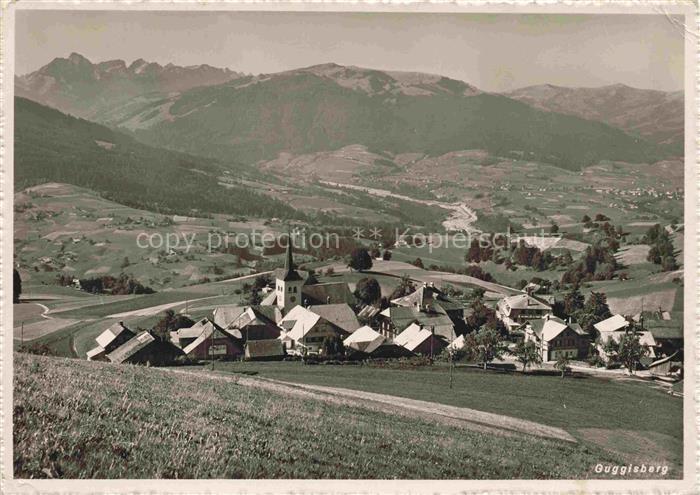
x: 495, y: 52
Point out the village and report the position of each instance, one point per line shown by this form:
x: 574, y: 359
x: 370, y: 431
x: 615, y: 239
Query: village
x: 300, y: 319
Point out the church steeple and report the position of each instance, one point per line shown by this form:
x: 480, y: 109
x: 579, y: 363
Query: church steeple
x: 290, y: 271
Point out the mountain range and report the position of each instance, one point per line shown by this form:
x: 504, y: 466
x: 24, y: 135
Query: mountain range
x: 654, y: 115
x: 229, y: 116
x: 79, y: 87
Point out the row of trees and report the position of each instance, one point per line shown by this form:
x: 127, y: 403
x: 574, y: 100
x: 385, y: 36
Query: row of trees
x: 107, y: 284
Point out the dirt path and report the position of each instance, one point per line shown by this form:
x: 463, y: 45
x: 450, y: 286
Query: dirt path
x: 472, y: 419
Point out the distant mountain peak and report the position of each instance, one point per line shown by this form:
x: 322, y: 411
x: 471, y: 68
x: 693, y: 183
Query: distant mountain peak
x: 77, y: 86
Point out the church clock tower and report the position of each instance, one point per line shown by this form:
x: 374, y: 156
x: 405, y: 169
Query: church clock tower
x: 289, y: 282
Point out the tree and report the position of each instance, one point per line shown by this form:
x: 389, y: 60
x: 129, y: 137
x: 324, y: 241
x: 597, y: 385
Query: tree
x: 554, y: 228
x: 360, y: 259
x: 585, y: 219
x: 527, y: 353
x: 333, y: 346
x: 573, y: 301
x: 368, y: 290
x: 374, y: 251
x: 630, y: 351
x: 386, y: 256
x: 594, y: 311
x: 16, y: 286
x: 405, y: 287
x: 562, y: 364
x: 418, y: 263
x: 251, y: 295
x: 170, y: 322
x: 484, y: 346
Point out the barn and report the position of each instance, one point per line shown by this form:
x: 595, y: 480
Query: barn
x: 214, y: 343
x: 145, y: 349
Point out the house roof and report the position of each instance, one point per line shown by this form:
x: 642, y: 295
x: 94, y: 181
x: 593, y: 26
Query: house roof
x: 525, y: 301
x: 264, y: 348
x: 663, y: 360
x: 209, y: 331
x: 328, y: 293
x: 457, y: 343
x: 106, y: 337
x: 270, y: 299
x: 364, y: 339
x: 340, y: 315
x: 299, y: 321
x: 403, y: 316
x: 227, y: 314
x: 131, y: 347
x: 548, y: 329
x: 95, y: 351
x: 612, y: 324
x: 428, y: 296
x: 368, y: 311
x: 412, y: 337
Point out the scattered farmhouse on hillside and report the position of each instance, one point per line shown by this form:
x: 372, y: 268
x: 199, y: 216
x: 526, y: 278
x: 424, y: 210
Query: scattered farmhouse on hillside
x: 145, y: 349
x: 420, y: 340
x: 555, y: 338
x: 515, y: 310
x: 109, y: 340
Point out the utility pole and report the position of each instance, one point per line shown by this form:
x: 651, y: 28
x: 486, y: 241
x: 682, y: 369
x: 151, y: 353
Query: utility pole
x: 432, y: 337
x: 211, y: 346
x: 451, y: 354
x: 22, y: 334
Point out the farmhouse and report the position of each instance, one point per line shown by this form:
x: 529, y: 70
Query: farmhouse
x: 420, y: 340
x: 214, y: 343
x: 554, y: 338
x: 328, y: 293
x: 666, y: 366
x: 669, y: 339
x: 109, y: 340
x: 616, y: 323
x: 145, y: 349
x: 249, y: 322
x: 341, y: 315
x: 302, y: 328
x: 365, y: 340
x: 515, y: 310
x: 394, y: 320
x: 428, y: 299
x: 614, y: 328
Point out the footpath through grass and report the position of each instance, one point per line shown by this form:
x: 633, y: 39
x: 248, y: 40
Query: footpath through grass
x: 79, y: 419
x: 576, y: 404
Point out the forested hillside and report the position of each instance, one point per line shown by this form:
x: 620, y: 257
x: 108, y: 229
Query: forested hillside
x: 53, y: 147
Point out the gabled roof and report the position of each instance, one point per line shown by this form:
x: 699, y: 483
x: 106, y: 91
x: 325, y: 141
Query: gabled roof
x: 364, y: 339
x: 525, y: 301
x: 401, y: 317
x: 428, y: 296
x: 225, y: 315
x: 209, y: 331
x: 663, y: 360
x: 328, y: 293
x: 106, y: 337
x: 548, y: 329
x: 270, y: 299
x: 194, y: 331
x: 341, y: 315
x: 612, y: 324
x: 131, y: 347
x: 412, y: 337
x: 299, y: 321
x: 95, y: 351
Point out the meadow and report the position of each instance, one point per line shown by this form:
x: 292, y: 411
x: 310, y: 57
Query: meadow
x: 142, y: 422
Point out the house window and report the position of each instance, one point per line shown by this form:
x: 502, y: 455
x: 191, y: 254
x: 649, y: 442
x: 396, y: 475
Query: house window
x: 295, y: 290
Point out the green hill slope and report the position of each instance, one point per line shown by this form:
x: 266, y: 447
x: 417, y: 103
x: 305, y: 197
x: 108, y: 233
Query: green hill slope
x: 53, y: 147
x: 302, y: 111
x: 139, y: 422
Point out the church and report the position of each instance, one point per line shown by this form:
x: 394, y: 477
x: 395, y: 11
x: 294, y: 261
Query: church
x: 292, y: 288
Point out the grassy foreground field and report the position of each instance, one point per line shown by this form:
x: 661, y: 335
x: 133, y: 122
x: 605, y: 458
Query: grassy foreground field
x: 138, y: 422
x: 594, y: 410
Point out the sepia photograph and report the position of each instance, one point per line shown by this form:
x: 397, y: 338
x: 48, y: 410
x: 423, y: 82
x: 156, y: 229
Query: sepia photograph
x: 368, y: 244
